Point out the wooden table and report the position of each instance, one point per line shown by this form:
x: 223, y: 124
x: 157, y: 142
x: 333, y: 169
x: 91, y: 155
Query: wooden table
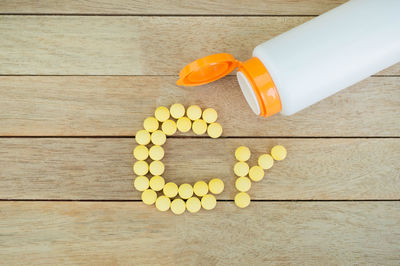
x: 77, y: 80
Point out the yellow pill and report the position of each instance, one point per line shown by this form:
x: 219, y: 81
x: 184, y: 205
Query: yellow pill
x: 177, y: 110
x: 142, y: 137
x: 243, y: 184
x: 141, y: 152
x: 278, y: 152
x: 184, y: 124
x: 185, y: 191
x: 242, y: 153
x: 156, y: 168
x: 163, y: 203
x: 241, y: 168
x: 256, y: 173
x: 199, y: 127
x: 210, y: 115
x: 169, y: 127
x: 193, y: 112
x: 208, y: 202
x: 193, y: 205
x: 214, y: 130
x: 200, y: 188
x: 178, y: 206
x: 162, y: 113
x: 265, y: 161
x: 150, y: 124
x: 141, y: 183
x: 158, y: 137
x: 156, y: 153
x: 170, y: 190
x: 157, y: 183
x: 149, y: 197
x: 216, y: 186
x: 242, y: 199
x: 140, y: 168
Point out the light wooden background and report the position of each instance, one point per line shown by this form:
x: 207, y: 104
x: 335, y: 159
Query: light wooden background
x: 77, y: 79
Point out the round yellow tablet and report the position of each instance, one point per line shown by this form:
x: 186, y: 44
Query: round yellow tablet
x: 242, y: 153
x: 193, y: 112
x: 141, y: 183
x: 142, y: 137
x: 265, y: 161
x: 241, y: 168
x: 214, y: 130
x: 141, y: 152
x: 158, y: 137
x: 210, y: 115
x: 278, y: 152
x: 199, y: 127
x: 193, y: 205
x: 243, y: 184
x: 177, y: 110
x: 242, y: 199
x: 140, y: 168
x: 208, y: 202
x: 185, y: 191
x: 150, y: 124
x: 184, y: 124
x: 156, y: 168
x: 149, y: 197
x: 169, y: 127
x: 163, y: 203
x: 216, y: 186
x: 170, y: 190
x: 178, y: 206
x: 200, y: 188
x: 256, y: 173
x: 157, y: 183
x: 156, y: 152
x: 162, y: 113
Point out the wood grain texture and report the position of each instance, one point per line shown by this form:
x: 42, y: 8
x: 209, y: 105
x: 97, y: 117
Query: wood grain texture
x: 163, y: 7
x: 108, y: 45
x: 320, y: 233
x: 101, y: 169
x: 116, y: 106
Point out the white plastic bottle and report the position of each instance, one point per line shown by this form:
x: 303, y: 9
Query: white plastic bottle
x: 312, y: 61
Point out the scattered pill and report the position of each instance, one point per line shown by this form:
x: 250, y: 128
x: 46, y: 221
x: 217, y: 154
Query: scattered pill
x: 199, y: 127
x: 156, y: 152
x: 242, y: 199
x: 163, y: 203
x: 162, y: 113
x: 149, y: 196
x: 200, y: 188
x: 184, y: 124
x: 157, y: 183
x: 150, y: 124
x: 185, y: 191
x: 243, y: 184
x: 193, y: 112
x: 242, y: 153
x: 170, y: 190
x: 278, y: 152
x: 256, y: 173
x: 210, y: 115
x: 140, y: 168
x: 216, y: 186
x: 241, y: 169
x: 169, y: 127
x: 265, y: 161
x: 214, y: 130
x: 142, y: 137
x: 156, y: 168
x: 158, y: 137
x: 193, y: 205
x: 141, y: 183
x: 177, y: 110
x: 141, y: 152
x: 178, y: 206
x: 208, y: 202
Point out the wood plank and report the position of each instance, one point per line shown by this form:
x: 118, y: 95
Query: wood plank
x: 124, y: 45
x: 87, y: 168
x: 116, y: 106
x: 329, y: 233
x: 174, y: 7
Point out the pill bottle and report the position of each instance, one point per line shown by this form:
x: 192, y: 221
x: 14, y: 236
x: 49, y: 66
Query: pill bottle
x: 312, y: 61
